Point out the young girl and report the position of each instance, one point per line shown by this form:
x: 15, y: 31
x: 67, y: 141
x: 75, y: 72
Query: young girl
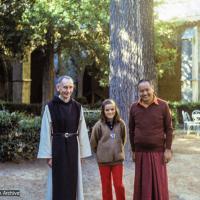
x: 107, y: 141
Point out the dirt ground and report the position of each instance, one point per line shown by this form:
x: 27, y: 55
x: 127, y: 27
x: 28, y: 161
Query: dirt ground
x: 184, y: 175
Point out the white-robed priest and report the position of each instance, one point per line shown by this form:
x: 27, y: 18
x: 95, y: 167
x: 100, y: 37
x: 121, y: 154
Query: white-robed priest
x: 63, y: 142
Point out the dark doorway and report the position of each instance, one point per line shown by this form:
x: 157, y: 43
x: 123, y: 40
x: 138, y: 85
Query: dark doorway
x: 37, y: 63
x: 93, y: 92
x: 87, y: 86
x: 5, y: 79
x: 2, y: 82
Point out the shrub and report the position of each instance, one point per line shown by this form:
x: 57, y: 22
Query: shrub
x: 19, y: 136
x: 5, y: 119
x: 91, y: 117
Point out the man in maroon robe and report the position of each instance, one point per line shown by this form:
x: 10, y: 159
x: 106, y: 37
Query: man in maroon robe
x: 150, y: 129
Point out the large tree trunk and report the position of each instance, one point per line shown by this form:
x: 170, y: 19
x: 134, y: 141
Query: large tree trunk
x: 132, y: 51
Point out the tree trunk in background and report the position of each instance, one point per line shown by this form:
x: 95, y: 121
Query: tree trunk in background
x: 6, y: 77
x: 61, y: 66
x: 48, y: 74
x: 132, y: 50
x: 80, y: 82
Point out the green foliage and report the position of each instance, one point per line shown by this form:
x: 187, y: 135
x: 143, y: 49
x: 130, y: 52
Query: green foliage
x: 79, y: 28
x: 13, y: 33
x: 29, y: 125
x: 91, y: 117
x: 167, y: 42
x: 19, y: 134
x: 5, y: 119
x: 166, y: 46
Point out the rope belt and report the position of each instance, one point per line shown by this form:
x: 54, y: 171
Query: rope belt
x: 66, y: 135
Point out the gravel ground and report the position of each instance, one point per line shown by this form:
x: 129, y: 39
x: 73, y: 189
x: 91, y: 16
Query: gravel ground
x: 184, y: 175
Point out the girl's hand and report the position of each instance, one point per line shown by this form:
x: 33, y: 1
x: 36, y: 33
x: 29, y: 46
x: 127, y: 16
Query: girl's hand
x: 167, y: 155
x: 49, y: 162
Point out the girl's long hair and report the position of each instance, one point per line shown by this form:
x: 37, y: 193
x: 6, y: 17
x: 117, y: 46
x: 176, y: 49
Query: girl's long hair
x: 117, y: 117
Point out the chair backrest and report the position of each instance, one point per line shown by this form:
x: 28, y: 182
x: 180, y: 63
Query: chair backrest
x: 186, y: 116
x: 183, y: 116
x: 196, y: 115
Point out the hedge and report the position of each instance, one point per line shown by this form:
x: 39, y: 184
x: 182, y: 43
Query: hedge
x: 19, y: 134
x: 19, y: 131
x: 91, y: 117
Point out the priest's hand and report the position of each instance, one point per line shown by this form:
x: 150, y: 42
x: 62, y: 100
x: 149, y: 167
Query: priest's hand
x: 167, y: 155
x: 49, y: 162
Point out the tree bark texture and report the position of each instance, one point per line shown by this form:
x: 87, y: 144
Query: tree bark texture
x: 132, y: 50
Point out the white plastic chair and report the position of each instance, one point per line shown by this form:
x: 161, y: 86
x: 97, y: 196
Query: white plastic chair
x: 189, y: 125
x: 185, y: 120
x: 196, y: 118
x: 196, y: 115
